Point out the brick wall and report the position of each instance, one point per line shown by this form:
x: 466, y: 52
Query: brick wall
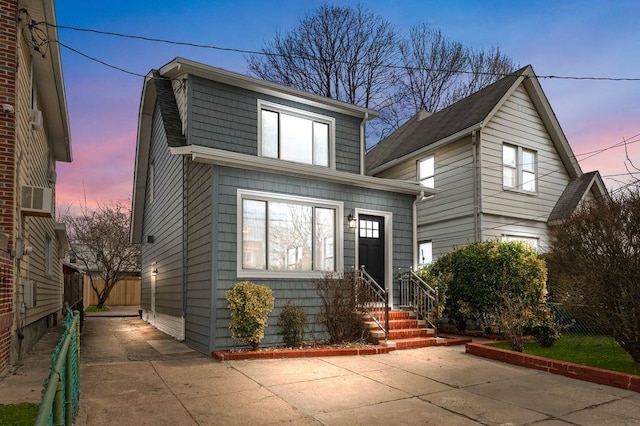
x: 8, y: 61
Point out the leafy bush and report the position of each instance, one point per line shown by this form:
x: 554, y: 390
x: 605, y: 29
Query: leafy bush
x: 250, y: 305
x: 594, y: 262
x: 492, y: 283
x: 292, y: 321
x: 544, y: 327
x: 338, y: 308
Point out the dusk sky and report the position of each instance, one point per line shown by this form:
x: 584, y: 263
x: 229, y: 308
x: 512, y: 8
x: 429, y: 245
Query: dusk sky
x: 560, y: 38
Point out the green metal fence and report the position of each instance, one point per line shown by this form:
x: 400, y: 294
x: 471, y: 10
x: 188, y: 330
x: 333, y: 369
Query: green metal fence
x: 61, y: 390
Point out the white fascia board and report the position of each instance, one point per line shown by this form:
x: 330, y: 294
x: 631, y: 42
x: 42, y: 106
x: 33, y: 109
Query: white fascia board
x: 180, y: 66
x: 271, y: 165
x: 454, y: 137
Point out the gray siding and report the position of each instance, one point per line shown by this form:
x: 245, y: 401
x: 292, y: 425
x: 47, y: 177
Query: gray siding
x: 302, y: 291
x: 199, y: 256
x: 496, y: 227
x: 163, y: 221
x: 518, y: 123
x: 447, y: 219
x: 226, y: 117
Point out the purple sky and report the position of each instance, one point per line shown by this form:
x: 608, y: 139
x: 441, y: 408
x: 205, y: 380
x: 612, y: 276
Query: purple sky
x: 584, y: 38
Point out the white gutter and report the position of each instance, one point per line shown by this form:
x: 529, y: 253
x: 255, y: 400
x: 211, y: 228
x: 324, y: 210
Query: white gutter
x: 272, y: 165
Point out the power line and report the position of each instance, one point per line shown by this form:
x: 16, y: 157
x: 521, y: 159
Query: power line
x: 263, y: 53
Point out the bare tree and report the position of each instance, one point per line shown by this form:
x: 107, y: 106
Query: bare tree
x: 338, y: 52
x: 100, y: 243
x: 595, y: 262
x: 353, y: 55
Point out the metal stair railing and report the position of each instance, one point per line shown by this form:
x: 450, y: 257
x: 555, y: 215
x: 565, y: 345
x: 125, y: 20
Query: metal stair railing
x: 371, y: 296
x: 417, y: 295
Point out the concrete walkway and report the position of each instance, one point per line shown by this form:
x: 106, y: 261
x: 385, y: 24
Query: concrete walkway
x: 134, y: 375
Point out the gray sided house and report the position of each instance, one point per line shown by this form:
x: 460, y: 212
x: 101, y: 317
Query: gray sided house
x: 501, y: 162
x: 241, y: 179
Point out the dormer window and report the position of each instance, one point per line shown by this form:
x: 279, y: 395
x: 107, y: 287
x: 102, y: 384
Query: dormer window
x: 295, y: 135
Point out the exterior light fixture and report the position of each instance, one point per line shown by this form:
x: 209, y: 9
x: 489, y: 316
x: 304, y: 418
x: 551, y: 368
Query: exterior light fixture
x: 154, y: 269
x: 353, y: 221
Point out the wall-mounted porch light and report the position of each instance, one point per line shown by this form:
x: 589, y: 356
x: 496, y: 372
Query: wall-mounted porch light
x: 154, y: 269
x: 353, y: 221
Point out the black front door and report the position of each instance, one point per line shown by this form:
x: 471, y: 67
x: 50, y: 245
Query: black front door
x: 371, y: 246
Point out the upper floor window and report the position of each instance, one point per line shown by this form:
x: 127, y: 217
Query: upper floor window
x: 518, y: 168
x: 427, y: 171
x: 295, y: 135
x: 284, y: 234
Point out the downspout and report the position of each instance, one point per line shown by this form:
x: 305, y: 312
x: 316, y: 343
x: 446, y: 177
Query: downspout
x: 480, y: 204
x: 414, y: 229
x: 474, y: 147
x: 363, y: 142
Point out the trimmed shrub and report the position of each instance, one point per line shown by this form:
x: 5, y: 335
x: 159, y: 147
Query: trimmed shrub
x: 492, y: 283
x: 292, y: 321
x: 338, y: 309
x: 250, y: 305
x: 544, y: 327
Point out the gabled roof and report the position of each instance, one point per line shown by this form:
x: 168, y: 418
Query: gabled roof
x: 464, y: 117
x: 575, y: 192
x: 460, y: 116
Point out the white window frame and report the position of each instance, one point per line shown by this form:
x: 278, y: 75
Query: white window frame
x: 278, y: 108
x: 338, y: 242
x: 520, y: 169
x: 423, y: 179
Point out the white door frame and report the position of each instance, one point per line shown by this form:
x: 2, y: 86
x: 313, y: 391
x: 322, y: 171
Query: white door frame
x: 388, y: 245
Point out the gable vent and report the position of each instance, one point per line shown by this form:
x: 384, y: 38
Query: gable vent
x: 37, y: 201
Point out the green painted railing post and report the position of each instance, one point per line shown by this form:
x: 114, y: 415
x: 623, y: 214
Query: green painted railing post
x: 58, y: 406
x: 68, y: 389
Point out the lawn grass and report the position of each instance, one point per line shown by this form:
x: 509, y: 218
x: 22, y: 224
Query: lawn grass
x: 586, y: 349
x: 94, y: 308
x: 18, y: 414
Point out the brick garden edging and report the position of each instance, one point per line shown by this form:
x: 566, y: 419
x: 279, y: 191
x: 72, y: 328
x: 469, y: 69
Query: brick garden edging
x: 300, y: 353
x: 312, y: 352
x: 563, y: 368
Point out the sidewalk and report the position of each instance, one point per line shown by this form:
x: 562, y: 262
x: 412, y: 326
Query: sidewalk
x: 23, y: 383
x: 133, y: 374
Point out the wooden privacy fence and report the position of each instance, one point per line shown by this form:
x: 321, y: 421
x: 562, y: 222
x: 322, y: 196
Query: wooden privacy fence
x: 125, y: 293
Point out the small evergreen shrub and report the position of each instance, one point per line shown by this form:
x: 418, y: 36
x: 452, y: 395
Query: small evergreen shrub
x: 544, y: 328
x: 292, y: 321
x: 250, y: 305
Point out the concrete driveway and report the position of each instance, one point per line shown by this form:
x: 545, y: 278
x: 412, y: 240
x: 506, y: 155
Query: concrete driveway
x: 134, y: 375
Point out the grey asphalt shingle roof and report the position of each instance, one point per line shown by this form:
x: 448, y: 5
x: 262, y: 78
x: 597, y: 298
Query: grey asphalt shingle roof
x: 169, y: 110
x: 570, y: 198
x: 418, y: 133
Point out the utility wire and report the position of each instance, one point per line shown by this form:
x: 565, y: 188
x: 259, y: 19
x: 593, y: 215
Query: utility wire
x: 263, y: 53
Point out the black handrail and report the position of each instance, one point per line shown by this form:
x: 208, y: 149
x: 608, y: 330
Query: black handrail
x: 369, y: 293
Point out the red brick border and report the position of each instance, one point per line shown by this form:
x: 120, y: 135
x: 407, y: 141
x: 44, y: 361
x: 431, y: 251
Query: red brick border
x: 568, y: 369
x: 301, y: 353
x: 312, y: 352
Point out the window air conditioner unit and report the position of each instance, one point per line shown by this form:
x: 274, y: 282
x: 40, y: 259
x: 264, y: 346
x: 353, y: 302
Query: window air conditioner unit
x: 37, y: 201
x: 36, y: 118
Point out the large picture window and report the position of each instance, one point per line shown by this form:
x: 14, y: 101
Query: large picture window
x: 294, y: 135
x: 518, y: 168
x: 287, y: 235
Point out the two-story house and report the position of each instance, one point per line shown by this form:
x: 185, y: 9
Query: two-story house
x: 241, y: 179
x: 501, y: 162
x: 34, y: 136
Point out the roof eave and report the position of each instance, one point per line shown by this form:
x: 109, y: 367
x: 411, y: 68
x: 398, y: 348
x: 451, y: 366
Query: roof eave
x: 181, y: 66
